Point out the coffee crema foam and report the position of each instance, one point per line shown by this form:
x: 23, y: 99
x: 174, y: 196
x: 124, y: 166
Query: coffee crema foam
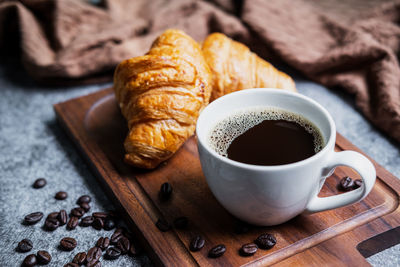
x: 225, y: 131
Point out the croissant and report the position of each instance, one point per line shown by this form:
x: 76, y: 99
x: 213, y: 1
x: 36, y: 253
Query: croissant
x: 234, y: 67
x: 161, y: 95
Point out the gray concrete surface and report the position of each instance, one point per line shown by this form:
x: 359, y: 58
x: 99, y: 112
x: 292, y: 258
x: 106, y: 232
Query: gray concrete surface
x: 33, y: 145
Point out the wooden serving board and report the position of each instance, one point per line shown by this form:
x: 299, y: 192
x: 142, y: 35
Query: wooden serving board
x: 96, y: 126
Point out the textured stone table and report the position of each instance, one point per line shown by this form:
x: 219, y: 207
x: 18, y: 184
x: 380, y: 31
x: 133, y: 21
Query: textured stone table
x: 33, y: 145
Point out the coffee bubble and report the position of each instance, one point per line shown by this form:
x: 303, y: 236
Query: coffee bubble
x: 225, y: 131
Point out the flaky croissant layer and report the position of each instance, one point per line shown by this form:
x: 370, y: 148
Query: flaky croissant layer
x: 161, y: 94
x: 234, y: 67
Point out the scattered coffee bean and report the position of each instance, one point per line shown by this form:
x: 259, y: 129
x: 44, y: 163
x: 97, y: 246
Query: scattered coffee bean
x: 33, y: 218
x: 101, y: 215
x: 85, y: 206
x: 39, y: 183
x: 124, y: 245
x: 103, y: 243
x: 109, y: 224
x: 265, y: 241
x: 84, y: 199
x: 86, y: 221
x: 116, y: 236
x: 43, y: 257
x: 77, y: 212
x: 93, y: 254
x: 346, y: 184
x: 80, y: 258
x: 181, y: 222
x: 71, y: 264
x: 62, y: 217
x: 112, y: 253
x: 52, y: 215
x: 51, y: 224
x: 166, y: 190
x: 162, y: 225
x: 217, y: 251
x: 24, y: 245
x: 68, y: 243
x: 72, y: 223
x: 248, y: 249
x: 94, y: 263
x: 61, y: 195
x: 30, y: 260
x: 196, y: 243
x: 357, y: 183
x: 98, y: 224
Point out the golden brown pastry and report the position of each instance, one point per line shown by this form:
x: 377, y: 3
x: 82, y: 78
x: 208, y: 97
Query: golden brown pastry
x: 234, y: 67
x: 161, y: 95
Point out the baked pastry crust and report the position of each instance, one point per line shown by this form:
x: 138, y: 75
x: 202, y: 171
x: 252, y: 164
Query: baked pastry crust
x: 234, y: 67
x: 161, y: 95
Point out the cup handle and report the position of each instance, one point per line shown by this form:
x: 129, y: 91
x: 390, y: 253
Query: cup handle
x: 360, y: 164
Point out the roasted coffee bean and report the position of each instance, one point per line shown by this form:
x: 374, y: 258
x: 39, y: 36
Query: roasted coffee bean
x: 62, y: 217
x: 71, y: 264
x: 109, y: 224
x: 84, y: 199
x: 248, y: 249
x: 61, y: 195
x: 72, y: 223
x: 39, y: 183
x: 93, y: 254
x: 166, y: 190
x: 101, y: 215
x: 68, y: 243
x: 77, y: 212
x: 33, y: 218
x: 346, y: 184
x: 85, y: 206
x: 181, y: 222
x: 30, y: 260
x: 24, y: 245
x: 357, y: 183
x: 86, y: 221
x: 124, y: 245
x: 116, y: 236
x: 103, y: 243
x: 217, y: 251
x: 52, y: 215
x: 98, y: 224
x: 112, y: 253
x: 94, y: 263
x: 80, y: 258
x: 265, y: 241
x: 43, y: 257
x: 196, y: 243
x: 162, y: 225
x: 51, y: 224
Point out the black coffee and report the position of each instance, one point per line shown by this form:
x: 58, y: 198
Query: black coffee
x: 262, y: 136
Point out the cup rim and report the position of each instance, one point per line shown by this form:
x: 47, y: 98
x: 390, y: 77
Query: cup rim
x: 321, y: 153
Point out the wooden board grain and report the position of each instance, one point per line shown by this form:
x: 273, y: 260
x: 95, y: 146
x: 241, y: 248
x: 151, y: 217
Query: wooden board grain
x: 95, y: 124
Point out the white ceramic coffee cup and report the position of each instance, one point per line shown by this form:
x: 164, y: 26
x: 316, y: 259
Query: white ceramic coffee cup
x: 270, y: 195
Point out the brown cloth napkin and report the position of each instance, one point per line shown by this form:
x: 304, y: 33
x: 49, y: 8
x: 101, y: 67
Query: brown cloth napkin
x: 349, y: 44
